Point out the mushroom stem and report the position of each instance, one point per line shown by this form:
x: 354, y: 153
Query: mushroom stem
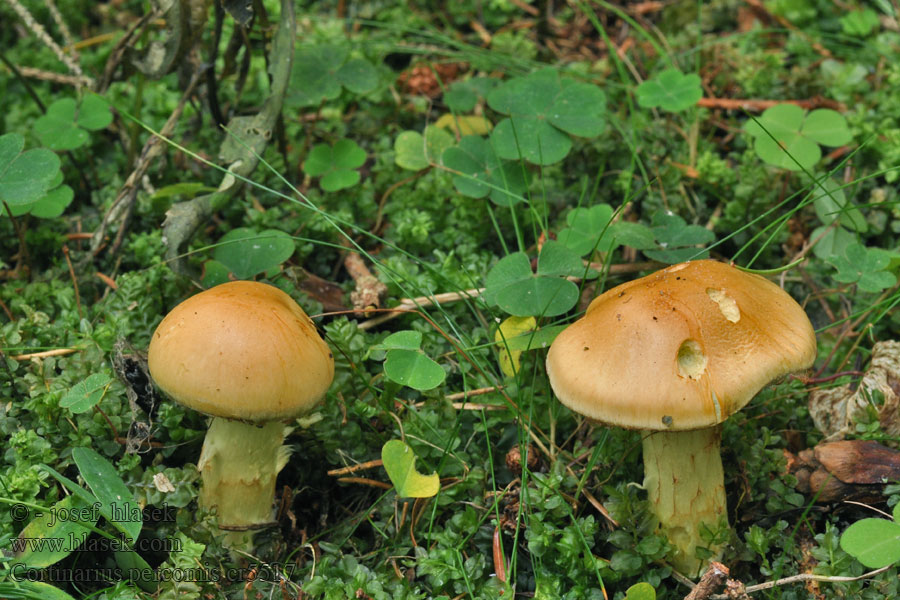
x: 239, y: 464
x: 686, y: 487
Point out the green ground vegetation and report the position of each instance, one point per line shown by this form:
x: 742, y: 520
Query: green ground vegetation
x: 502, y: 162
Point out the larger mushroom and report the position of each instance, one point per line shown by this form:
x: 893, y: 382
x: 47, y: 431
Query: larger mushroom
x: 246, y: 354
x: 674, y: 354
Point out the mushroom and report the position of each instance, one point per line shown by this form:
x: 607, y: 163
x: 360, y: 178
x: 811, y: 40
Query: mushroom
x: 674, y: 354
x: 246, y: 354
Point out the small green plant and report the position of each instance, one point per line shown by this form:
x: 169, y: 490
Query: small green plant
x: 874, y: 542
x: 87, y: 393
x: 336, y: 165
x: 591, y: 229
x: 542, y: 109
x: 463, y: 95
x: 640, y: 591
x: 320, y: 72
x: 480, y: 172
x: 67, y: 124
x: 246, y: 253
x: 30, y: 180
x: 676, y: 240
x: 860, y: 23
x: 57, y: 532
x: 866, y: 267
x: 406, y: 364
x: 670, y: 90
x: 400, y: 463
x: 787, y: 136
x: 516, y: 289
x: 416, y: 151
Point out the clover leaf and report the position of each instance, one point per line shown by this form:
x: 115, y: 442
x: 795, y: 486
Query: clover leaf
x: 319, y: 72
x: 464, y: 124
x: 50, y: 205
x: 25, y: 177
x: 543, y: 109
x: 87, y: 393
x: 479, y: 172
x: 336, y: 164
x: 676, y: 240
x: 406, y: 364
x: 874, y: 542
x: 787, y: 137
x: 865, y: 267
x: 831, y: 204
x: 463, y: 95
x: 586, y: 226
x: 670, y: 90
x: 400, y: 463
x: 860, y: 23
x: 590, y: 229
x: 246, y: 253
x: 831, y: 241
x: 66, y: 124
x: 515, y: 288
x: 415, y: 151
x: 512, y: 327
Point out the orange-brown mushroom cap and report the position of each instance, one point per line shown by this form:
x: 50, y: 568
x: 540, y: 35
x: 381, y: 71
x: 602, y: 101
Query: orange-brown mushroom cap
x: 241, y: 350
x: 683, y: 348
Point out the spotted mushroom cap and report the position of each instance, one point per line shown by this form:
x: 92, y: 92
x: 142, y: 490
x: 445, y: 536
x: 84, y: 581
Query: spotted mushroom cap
x: 241, y: 350
x: 681, y: 349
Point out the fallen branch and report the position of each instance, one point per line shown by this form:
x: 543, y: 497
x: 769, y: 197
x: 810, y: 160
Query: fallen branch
x: 44, y: 354
x: 801, y: 578
x: 369, y: 290
x: 756, y: 105
x: 357, y: 467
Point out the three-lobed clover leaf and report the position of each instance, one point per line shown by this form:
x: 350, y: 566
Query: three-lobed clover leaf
x: 479, y: 172
x: 866, y: 267
x: 670, y: 90
x: 67, y: 122
x: 319, y: 72
x: 400, y: 463
x: 50, y: 205
x: 510, y: 328
x: 543, y: 109
x: 860, y: 23
x: 25, y: 177
x: 831, y: 241
x: 87, y: 393
x: 516, y: 289
x: 831, y: 204
x: 416, y: 151
x: 786, y: 136
x: 676, y: 240
x: 463, y: 95
x: 336, y: 164
x: 405, y: 362
x: 590, y: 229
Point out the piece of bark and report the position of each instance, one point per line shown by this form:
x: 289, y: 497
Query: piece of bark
x: 712, y: 580
x: 369, y: 290
x: 328, y: 293
x: 836, y: 471
x: 834, y: 410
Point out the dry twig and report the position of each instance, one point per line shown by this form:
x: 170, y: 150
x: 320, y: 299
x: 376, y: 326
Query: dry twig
x: 40, y: 33
x: 120, y: 211
x: 712, y: 579
x: 369, y: 290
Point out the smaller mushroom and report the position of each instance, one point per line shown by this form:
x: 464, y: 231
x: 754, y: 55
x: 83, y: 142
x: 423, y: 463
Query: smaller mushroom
x: 246, y: 354
x: 674, y: 354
